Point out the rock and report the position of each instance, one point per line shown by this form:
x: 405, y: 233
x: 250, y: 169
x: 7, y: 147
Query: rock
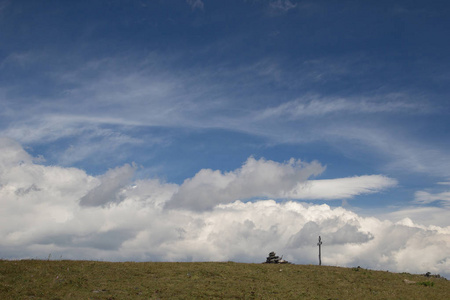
x: 408, y: 281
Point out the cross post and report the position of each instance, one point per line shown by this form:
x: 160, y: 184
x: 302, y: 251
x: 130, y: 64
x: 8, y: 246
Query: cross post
x: 320, y: 244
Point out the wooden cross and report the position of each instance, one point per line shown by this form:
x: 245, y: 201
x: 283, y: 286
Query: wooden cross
x: 320, y: 244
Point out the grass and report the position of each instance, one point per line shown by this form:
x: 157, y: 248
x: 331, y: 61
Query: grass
x: 65, y: 279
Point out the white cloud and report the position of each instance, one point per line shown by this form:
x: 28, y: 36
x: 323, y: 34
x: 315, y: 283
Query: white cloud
x: 314, y: 105
x: 403, y: 152
x: 107, y: 100
x: 424, y: 197
x: 263, y: 178
x: 282, y: 5
x: 12, y: 154
x: 341, y: 188
x: 41, y: 214
x: 88, y: 136
x: 49, y: 128
x: 107, y: 191
x: 428, y: 216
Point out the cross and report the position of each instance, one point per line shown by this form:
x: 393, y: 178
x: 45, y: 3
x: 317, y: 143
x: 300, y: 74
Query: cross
x: 319, y: 244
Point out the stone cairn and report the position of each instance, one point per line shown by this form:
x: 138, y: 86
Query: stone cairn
x: 274, y: 259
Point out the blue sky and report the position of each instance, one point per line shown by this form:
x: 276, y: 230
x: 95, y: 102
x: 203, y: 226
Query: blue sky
x: 198, y: 107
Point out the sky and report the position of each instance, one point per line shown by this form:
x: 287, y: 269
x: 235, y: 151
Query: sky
x: 203, y: 130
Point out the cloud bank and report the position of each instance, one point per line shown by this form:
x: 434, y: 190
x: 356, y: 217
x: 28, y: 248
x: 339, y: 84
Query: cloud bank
x: 66, y: 212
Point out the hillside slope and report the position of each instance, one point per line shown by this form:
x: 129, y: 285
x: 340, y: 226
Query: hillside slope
x: 63, y: 279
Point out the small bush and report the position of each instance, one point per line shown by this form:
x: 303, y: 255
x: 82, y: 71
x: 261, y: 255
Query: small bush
x: 426, y: 283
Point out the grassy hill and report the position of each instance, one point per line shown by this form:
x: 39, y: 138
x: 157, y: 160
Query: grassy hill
x: 64, y: 279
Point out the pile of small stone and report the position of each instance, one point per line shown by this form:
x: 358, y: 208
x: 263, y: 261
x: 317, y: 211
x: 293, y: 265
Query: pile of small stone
x: 274, y: 259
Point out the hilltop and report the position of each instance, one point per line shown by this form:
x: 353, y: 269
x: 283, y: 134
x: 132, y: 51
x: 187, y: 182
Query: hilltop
x: 65, y: 279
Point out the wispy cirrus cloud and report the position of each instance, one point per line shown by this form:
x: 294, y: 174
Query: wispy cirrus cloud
x: 3, y: 5
x: 85, y: 136
x: 424, y: 197
x: 196, y: 4
x: 282, y: 5
x: 444, y: 183
x: 102, y: 94
x: 314, y: 106
x: 401, y: 151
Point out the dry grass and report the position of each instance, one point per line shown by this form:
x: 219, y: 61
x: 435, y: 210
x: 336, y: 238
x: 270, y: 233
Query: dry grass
x: 38, y: 279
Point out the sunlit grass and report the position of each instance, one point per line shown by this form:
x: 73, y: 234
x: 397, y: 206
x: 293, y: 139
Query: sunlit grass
x: 39, y: 279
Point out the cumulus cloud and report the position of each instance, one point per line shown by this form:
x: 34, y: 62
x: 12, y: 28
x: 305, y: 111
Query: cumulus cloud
x: 109, y: 186
x: 12, y: 154
x: 263, y: 178
x: 426, y: 215
x: 42, y: 213
x: 331, y: 231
